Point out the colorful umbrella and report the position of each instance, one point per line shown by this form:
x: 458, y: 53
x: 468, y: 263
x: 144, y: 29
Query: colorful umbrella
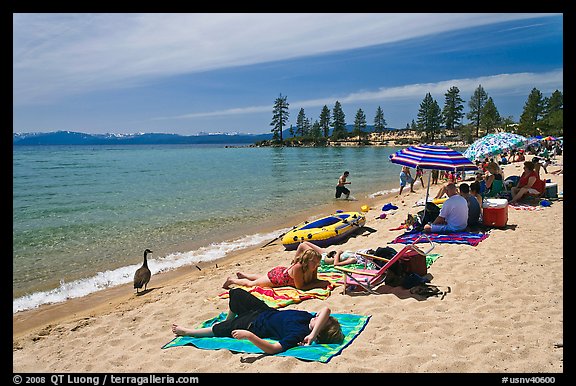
x: 432, y: 157
x: 492, y: 144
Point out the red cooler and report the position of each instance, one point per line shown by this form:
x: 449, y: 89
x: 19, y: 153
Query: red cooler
x: 495, y: 212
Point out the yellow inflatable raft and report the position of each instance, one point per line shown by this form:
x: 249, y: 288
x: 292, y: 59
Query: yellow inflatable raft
x: 324, y: 231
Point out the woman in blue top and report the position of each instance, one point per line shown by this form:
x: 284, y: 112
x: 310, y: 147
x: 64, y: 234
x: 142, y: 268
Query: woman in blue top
x: 250, y: 318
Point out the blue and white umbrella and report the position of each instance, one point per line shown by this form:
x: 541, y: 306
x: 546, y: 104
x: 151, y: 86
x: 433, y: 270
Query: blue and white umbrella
x: 493, y: 144
x: 432, y: 157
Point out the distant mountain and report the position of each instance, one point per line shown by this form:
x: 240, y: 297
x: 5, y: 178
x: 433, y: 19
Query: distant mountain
x: 75, y: 138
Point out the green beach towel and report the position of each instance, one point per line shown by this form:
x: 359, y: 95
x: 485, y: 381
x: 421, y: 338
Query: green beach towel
x: 430, y: 258
x: 351, y: 325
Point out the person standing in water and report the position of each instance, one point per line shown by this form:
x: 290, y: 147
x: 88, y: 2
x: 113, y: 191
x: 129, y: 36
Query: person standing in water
x: 341, y: 187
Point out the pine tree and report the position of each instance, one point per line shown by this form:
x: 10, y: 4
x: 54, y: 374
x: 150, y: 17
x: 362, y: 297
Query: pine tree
x: 379, y: 121
x: 476, y: 105
x: 453, y: 109
x: 325, y: 121
x: 359, y: 124
x: 532, y: 114
x: 301, y: 124
x: 316, y: 131
x: 339, y: 122
x: 553, y: 119
x: 490, y: 118
x: 429, y: 117
x: 280, y: 116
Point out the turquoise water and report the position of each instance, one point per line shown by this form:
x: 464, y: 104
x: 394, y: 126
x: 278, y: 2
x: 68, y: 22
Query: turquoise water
x: 82, y: 215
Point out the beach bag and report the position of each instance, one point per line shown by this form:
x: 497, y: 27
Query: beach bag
x: 415, y: 263
x: 386, y: 252
x: 395, y: 275
x: 432, y: 211
x: 407, y: 272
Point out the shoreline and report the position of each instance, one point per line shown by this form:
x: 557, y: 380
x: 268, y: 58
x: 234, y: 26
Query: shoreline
x: 186, y: 249
x: 28, y: 320
x: 503, y: 313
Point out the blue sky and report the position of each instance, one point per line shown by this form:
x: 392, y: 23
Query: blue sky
x: 191, y: 73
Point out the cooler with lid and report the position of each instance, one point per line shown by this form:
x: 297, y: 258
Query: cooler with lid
x: 551, y: 190
x: 495, y: 212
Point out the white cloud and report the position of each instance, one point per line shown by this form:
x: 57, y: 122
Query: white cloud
x: 501, y: 84
x: 62, y: 54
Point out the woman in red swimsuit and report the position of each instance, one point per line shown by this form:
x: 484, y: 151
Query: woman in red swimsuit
x: 529, y: 183
x: 302, y: 274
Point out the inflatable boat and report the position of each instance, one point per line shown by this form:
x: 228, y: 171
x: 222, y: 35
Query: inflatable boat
x: 325, y: 231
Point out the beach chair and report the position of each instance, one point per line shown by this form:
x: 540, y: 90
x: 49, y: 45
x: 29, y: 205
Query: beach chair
x: 369, y: 279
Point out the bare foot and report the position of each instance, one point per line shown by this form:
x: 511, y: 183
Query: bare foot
x: 227, y: 283
x: 240, y: 275
x: 177, y: 330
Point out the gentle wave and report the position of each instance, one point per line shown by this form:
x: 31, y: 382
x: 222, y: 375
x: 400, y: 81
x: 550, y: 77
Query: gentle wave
x: 123, y: 275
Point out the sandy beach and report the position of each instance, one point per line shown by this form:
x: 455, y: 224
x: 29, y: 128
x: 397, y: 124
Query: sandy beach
x: 502, y: 313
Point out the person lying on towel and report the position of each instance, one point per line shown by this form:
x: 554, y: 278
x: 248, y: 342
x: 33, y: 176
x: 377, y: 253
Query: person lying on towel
x: 250, y: 318
x: 453, y: 216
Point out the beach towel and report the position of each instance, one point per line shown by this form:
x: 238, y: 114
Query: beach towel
x: 282, y: 296
x: 430, y: 258
x: 352, y: 325
x: 389, y: 206
x: 332, y: 273
x: 520, y: 206
x: 452, y: 238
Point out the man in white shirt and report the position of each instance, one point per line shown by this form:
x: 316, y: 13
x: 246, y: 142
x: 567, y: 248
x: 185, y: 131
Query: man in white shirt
x: 453, y: 216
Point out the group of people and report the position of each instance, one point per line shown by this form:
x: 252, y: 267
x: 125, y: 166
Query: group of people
x: 463, y: 208
x: 406, y: 178
x: 252, y: 319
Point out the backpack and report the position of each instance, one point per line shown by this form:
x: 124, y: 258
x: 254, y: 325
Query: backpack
x: 386, y: 252
x: 432, y: 211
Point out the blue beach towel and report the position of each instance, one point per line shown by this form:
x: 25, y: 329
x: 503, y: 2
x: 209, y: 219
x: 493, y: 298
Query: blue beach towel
x: 389, y: 206
x: 351, y: 325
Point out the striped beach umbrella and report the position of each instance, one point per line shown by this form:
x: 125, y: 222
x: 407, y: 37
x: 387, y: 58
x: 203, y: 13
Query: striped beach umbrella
x: 432, y: 157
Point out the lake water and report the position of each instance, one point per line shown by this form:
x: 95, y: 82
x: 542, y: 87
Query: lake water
x: 83, y: 215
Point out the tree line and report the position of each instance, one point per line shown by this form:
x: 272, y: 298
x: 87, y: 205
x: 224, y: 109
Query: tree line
x: 541, y: 115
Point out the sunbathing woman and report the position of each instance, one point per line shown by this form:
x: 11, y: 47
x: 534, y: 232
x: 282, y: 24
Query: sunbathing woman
x: 301, y: 274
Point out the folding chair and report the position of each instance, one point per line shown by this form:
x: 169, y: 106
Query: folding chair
x: 369, y: 279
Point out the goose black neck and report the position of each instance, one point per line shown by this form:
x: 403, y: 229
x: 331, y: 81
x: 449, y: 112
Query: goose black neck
x: 145, y: 259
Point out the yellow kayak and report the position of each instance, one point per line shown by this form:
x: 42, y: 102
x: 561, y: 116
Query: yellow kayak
x: 324, y: 231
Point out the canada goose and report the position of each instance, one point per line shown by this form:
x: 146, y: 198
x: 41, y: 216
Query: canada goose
x: 142, y: 275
